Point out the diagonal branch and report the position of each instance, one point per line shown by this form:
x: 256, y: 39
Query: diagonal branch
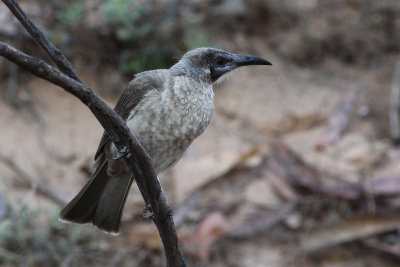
x: 63, y: 64
x: 139, y: 162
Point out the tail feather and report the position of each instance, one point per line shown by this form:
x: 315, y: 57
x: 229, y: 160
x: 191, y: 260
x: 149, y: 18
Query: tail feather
x: 82, y: 207
x: 112, y: 201
x: 101, y: 200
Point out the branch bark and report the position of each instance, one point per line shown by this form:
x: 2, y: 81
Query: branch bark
x: 137, y: 158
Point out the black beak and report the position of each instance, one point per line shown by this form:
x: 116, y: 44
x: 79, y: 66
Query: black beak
x: 225, y: 63
x: 244, y: 60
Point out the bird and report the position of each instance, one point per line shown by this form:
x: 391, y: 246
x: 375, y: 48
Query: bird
x: 166, y: 109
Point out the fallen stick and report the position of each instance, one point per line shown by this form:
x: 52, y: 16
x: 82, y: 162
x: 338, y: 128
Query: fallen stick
x: 286, y: 164
x: 347, y: 231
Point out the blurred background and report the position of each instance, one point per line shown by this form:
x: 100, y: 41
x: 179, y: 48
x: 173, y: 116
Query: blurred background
x: 299, y: 167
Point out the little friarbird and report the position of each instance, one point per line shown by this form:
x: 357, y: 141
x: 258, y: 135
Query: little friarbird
x: 166, y: 110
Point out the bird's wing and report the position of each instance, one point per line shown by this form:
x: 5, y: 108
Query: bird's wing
x: 131, y: 97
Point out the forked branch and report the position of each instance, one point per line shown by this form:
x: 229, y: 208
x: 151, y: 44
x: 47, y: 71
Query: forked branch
x: 139, y: 162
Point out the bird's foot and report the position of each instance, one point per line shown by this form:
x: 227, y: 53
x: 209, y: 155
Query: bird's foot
x: 122, y: 153
x: 147, y: 212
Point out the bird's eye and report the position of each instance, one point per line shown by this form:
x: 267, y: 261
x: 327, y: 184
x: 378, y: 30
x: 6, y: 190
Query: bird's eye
x: 220, y: 61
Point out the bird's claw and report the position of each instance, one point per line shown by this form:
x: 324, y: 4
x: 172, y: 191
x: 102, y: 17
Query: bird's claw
x: 122, y: 153
x: 147, y: 212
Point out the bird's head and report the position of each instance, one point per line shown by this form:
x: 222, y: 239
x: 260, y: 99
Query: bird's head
x: 211, y: 65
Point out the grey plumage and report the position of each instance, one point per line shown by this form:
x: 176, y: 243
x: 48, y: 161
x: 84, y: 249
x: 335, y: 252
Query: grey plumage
x: 166, y: 110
